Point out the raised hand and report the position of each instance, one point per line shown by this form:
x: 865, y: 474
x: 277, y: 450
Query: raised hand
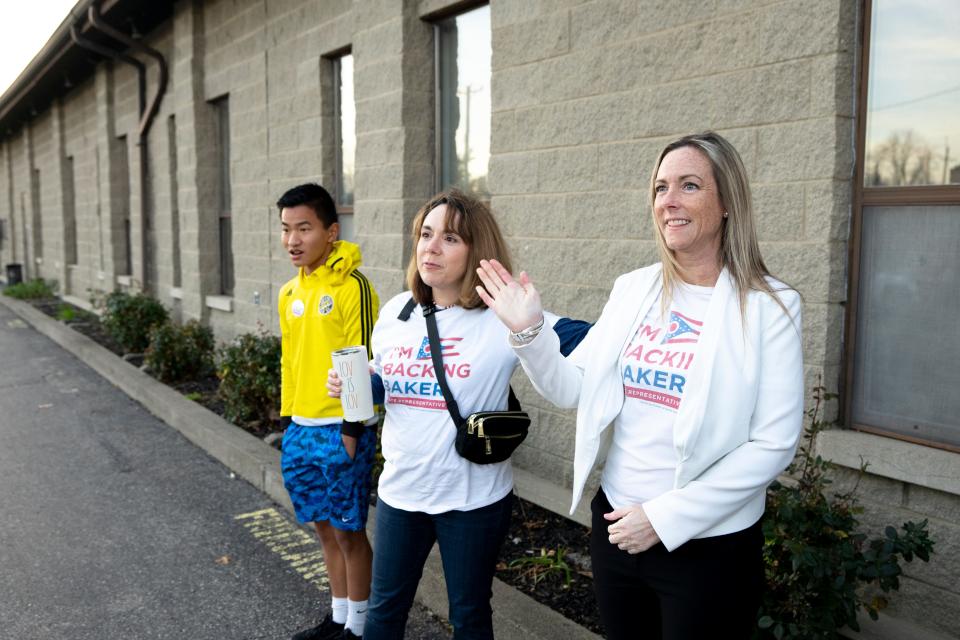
x: 516, y: 303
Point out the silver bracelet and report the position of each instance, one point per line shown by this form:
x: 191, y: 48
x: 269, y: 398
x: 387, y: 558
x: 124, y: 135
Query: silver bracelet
x: 525, y: 336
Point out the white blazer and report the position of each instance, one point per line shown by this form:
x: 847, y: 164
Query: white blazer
x: 740, y: 418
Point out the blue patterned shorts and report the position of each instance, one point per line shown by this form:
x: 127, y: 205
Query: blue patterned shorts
x: 324, y: 484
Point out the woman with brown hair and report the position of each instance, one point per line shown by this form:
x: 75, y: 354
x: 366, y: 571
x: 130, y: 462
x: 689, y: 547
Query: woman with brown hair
x: 429, y: 493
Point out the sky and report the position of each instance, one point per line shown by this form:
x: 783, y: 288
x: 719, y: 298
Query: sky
x: 24, y: 28
x: 915, y: 75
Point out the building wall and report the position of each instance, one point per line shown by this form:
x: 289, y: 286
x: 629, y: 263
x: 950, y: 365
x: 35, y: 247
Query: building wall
x: 584, y: 96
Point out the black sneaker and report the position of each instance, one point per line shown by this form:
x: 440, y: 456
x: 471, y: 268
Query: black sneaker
x: 349, y: 635
x: 326, y: 630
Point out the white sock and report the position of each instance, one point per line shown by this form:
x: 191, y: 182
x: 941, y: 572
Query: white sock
x: 357, y: 616
x: 339, y: 608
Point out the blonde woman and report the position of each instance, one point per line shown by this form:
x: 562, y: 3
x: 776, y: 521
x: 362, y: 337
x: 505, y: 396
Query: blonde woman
x: 694, y: 372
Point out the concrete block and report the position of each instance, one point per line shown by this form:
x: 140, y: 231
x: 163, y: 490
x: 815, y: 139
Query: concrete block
x: 818, y: 271
x: 608, y: 214
x: 335, y: 33
x: 380, y: 147
x: 573, y: 262
x: 503, y: 132
x: 628, y: 165
x: 805, y: 150
x: 779, y: 211
x: 542, y: 37
x: 377, y: 77
x: 547, y: 466
x: 940, y: 573
x: 619, y: 20
x: 519, y: 86
x: 833, y: 85
x: 827, y: 210
x: 553, y: 433
x: 940, y: 504
x: 896, y: 459
x: 380, y: 40
x: 868, y: 488
x: 590, y: 72
x: 378, y: 217
x: 821, y: 324
x: 384, y: 111
x: 569, y: 169
x: 530, y: 216
x: 515, y: 173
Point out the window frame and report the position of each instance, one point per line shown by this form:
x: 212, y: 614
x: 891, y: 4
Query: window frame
x: 336, y: 73
x: 869, y: 196
x: 436, y: 18
x: 226, y: 284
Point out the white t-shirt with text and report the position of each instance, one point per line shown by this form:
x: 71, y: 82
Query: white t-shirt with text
x: 422, y: 470
x: 642, y: 460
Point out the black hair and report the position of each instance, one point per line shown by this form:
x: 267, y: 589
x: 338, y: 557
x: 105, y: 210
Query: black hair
x: 313, y: 196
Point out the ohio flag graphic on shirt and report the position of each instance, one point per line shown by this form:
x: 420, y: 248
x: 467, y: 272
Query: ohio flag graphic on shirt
x: 657, y: 359
x: 681, y: 329
x: 447, y: 348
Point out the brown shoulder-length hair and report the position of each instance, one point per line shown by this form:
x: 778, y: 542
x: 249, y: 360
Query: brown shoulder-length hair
x: 473, y: 221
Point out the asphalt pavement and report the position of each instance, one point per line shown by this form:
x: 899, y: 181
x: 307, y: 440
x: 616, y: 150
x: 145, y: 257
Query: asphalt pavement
x: 113, y: 525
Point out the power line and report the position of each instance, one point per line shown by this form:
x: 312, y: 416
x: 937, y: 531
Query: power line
x: 919, y: 99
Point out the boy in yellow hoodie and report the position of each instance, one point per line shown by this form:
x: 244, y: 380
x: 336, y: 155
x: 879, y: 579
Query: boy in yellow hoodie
x: 326, y: 462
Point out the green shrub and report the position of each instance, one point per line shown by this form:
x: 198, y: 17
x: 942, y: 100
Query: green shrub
x: 32, y: 289
x: 180, y: 352
x: 129, y: 318
x: 66, y: 313
x: 816, y: 561
x: 249, y: 372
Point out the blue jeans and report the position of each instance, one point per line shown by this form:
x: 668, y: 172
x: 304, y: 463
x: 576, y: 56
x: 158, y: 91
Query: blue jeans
x: 469, y: 543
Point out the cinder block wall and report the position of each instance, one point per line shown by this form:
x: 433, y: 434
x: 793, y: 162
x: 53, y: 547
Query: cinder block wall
x: 584, y: 96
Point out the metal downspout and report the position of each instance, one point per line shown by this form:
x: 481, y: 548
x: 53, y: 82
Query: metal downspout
x: 146, y: 120
x: 80, y: 41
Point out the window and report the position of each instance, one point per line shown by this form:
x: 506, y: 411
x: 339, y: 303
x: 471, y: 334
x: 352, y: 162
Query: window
x: 345, y: 126
x: 69, y: 213
x: 224, y: 228
x: 37, y: 219
x: 463, y: 101
x: 905, y: 269
x: 174, y: 204
x: 125, y: 251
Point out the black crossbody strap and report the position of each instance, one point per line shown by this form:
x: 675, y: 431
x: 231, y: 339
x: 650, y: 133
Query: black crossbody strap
x: 435, y: 354
x: 407, y: 309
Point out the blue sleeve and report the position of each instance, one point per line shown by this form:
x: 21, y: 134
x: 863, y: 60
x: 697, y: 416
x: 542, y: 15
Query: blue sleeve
x: 379, y: 395
x: 571, y: 332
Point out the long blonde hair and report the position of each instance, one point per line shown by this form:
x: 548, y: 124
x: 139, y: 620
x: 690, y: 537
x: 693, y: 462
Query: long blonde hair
x: 739, y: 250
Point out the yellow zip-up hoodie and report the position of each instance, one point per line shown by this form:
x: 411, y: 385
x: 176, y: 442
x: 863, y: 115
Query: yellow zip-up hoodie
x: 332, y: 308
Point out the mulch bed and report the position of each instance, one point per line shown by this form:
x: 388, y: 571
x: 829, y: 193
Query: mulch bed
x: 539, y: 548
x: 536, y: 533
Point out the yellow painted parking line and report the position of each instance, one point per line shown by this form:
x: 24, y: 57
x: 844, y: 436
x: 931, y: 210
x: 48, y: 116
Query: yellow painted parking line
x: 295, y: 546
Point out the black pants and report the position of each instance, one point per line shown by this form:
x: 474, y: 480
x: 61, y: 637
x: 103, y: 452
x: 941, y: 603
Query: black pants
x: 706, y: 588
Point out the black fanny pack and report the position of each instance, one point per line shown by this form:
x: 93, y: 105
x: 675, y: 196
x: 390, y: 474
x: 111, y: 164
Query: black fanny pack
x: 484, y: 437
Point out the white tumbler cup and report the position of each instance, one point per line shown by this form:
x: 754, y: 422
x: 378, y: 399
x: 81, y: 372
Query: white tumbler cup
x: 356, y: 394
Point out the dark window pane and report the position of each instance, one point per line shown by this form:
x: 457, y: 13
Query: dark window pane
x: 908, y: 339
x: 226, y: 257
